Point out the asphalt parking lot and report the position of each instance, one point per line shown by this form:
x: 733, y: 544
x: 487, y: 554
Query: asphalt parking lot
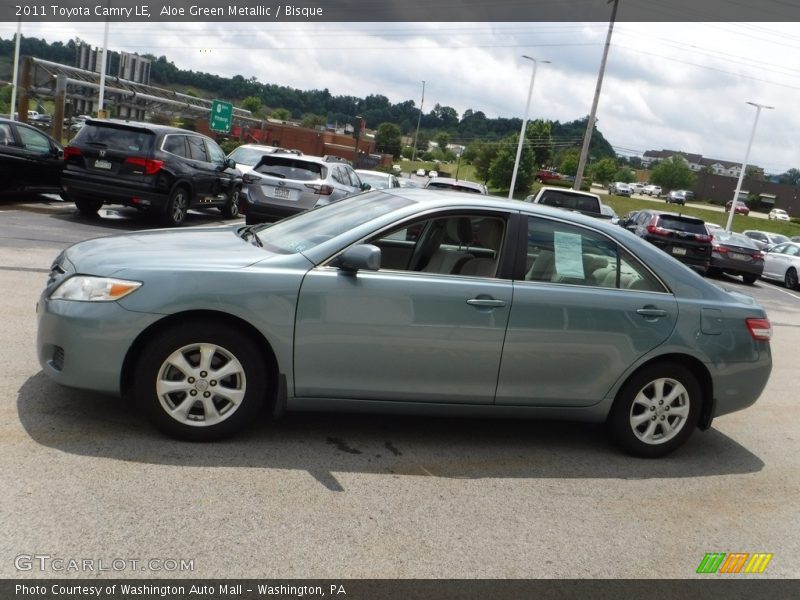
x: 337, y: 496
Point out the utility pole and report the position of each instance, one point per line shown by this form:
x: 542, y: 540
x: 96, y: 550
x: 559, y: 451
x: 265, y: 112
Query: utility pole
x: 16, y: 71
x: 419, y: 118
x: 592, y: 116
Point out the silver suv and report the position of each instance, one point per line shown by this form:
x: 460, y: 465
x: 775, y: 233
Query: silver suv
x: 280, y: 185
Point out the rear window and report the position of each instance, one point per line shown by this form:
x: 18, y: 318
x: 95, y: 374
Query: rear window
x: 287, y: 167
x: 727, y: 237
x: 570, y: 201
x: 437, y: 185
x: 116, y: 138
x: 676, y: 223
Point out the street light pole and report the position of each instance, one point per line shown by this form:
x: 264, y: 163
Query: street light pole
x: 419, y: 118
x: 744, y: 164
x: 524, y: 125
x: 16, y: 71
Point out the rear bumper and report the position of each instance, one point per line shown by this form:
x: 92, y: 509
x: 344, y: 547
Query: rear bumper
x: 117, y: 192
x: 729, y: 265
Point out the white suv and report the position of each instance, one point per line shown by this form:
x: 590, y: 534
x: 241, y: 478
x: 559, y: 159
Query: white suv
x: 652, y: 190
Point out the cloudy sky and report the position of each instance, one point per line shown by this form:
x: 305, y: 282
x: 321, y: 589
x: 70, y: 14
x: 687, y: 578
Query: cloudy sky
x: 681, y: 86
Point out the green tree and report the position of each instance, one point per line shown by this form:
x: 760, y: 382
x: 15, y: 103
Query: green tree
x: 604, y: 170
x: 672, y: 174
x: 311, y: 120
x: 624, y: 174
x: 502, y: 166
x: 442, y: 139
x: 252, y: 103
x: 485, y: 153
x: 569, y: 162
x: 388, y: 139
x: 791, y: 177
x: 282, y: 114
x: 538, y: 135
x: 407, y: 152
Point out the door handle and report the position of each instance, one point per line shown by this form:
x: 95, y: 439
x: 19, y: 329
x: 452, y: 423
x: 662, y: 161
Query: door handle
x: 486, y: 302
x: 651, y: 313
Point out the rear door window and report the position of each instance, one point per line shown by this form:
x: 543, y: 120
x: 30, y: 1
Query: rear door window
x: 215, y: 152
x: 176, y: 144
x: 197, y: 148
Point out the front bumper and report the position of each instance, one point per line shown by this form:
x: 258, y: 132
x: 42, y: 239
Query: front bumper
x: 84, y: 344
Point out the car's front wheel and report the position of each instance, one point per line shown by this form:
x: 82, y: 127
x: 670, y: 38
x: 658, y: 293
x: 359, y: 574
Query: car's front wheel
x: 200, y: 381
x: 656, y: 410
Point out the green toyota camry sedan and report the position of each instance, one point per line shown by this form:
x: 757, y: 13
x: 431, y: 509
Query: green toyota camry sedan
x: 404, y: 300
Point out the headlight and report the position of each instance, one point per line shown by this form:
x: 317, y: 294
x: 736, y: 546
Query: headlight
x: 84, y: 288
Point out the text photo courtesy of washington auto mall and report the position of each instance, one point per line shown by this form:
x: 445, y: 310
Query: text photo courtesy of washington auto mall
x: 399, y: 299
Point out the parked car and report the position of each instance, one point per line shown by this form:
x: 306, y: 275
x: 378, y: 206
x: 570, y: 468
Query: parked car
x: 682, y: 237
x: 620, y: 188
x: 374, y: 302
x: 778, y: 214
x: 629, y: 220
x: 157, y: 169
x: 433, y: 173
x: 765, y: 239
x: 281, y: 185
x: 740, y: 209
x: 420, y: 172
x: 573, y: 200
x: 397, y: 169
x: 455, y: 185
x: 547, y: 175
x: 637, y: 187
x: 735, y: 254
x: 30, y: 161
x: 782, y: 262
x: 377, y: 180
x: 676, y: 197
x: 652, y: 190
x: 247, y: 155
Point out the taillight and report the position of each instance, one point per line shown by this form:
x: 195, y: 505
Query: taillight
x: 151, y: 167
x: 322, y: 190
x: 760, y: 329
x: 720, y: 249
x: 758, y: 256
x: 250, y: 178
x: 656, y: 230
x: 71, y: 151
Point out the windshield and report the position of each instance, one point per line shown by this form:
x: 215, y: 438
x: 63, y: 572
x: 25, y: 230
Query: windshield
x: 248, y: 156
x: 308, y: 229
x: 376, y: 182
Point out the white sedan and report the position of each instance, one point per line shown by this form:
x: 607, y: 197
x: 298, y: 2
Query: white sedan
x: 778, y: 214
x: 782, y: 262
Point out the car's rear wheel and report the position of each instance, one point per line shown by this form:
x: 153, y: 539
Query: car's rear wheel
x: 231, y: 208
x: 176, y: 208
x: 200, y: 381
x: 791, y: 279
x: 749, y: 279
x: 88, y: 207
x: 656, y: 410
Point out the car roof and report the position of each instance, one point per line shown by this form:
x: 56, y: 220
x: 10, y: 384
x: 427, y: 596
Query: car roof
x: 376, y: 173
x: 557, y: 188
x: 141, y: 125
x: 666, y: 213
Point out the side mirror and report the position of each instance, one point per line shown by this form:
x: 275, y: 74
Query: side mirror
x: 230, y: 163
x: 365, y: 187
x: 364, y: 257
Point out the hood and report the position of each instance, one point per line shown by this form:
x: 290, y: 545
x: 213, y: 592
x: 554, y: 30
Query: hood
x: 196, y: 247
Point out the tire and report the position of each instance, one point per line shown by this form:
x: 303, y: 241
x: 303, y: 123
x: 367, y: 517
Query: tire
x: 790, y: 279
x: 749, y: 279
x: 175, y: 386
x: 713, y: 272
x: 174, y: 213
x: 231, y: 208
x: 644, y: 421
x: 88, y: 208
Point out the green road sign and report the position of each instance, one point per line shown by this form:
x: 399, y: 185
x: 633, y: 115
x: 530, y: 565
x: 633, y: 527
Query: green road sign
x: 221, y: 117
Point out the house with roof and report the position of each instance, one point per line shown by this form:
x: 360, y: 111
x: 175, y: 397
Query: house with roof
x: 696, y: 162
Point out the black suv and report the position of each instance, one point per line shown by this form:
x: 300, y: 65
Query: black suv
x: 157, y: 169
x: 682, y: 237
